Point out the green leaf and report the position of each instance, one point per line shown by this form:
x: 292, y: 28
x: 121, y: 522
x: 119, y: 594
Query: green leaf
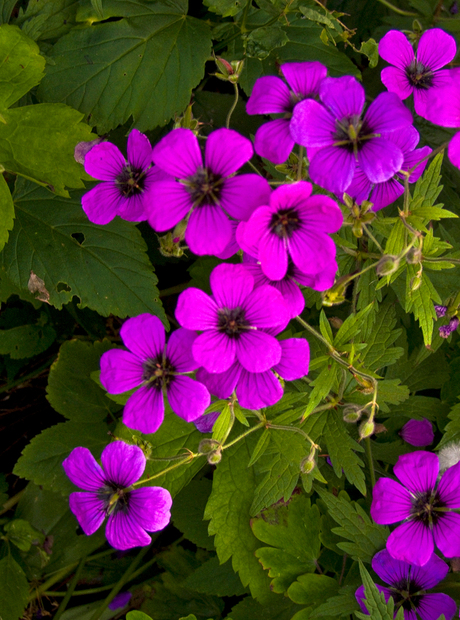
x: 38, y: 142
x: 294, y: 536
x: 105, y: 267
x: 281, y: 608
x: 22, y: 534
x: 351, y: 326
x: 187, y: 512
x: 323, y: 384
x: 261, y: 446
x: 137, y: 615
x: 14, y: 589
x: 325, y: 327
x: 41, y: 460
x: 370, y: 49
x: 70, y: 390
x: 216, y: 579
x: 27, y: 341
x: 378, y: 352
x: 21, y: 66
x: 228, y: 510
x: 262, y: 41
x: 421, y: 301
x: 155, y: 44
x: 47, y: 19
x: 375, y: 601
x: 221, y: 425
x: 6, y: 212
x: 366, y: 537
x: 430, y: 373
x: 427, y: 188
x: 226, y: 8
x: 311, y: 588
x: 343, y: 604
x: 452, y: 430
x: 6, y: 8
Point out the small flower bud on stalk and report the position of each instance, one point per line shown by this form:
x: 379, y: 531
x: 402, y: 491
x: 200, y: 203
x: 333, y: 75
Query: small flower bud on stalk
x: 229, y: 71
x: 308, y: 464
x: 414, y: 256
x: 366, y: 429
x: 336, y: 294
x: 352, y: 413
x: 206, y: 446
x: 387, y: 265
x: 214, y: 457
x: 168, y: 247
x: 415, y: 282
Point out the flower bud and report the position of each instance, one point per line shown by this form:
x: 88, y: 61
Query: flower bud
x: 387, y: 265
x: 366, y: 429
x: 352, y: 414
x: 214, y: 457
x: 229, y: 71
x: 414, y: 256
x: 440, y: 311
x: 446, y: 330
x: 206, y: 446
x: 307, y: 465
x: 187, y: 121
x: 415, y: 283
x: 168, y: 247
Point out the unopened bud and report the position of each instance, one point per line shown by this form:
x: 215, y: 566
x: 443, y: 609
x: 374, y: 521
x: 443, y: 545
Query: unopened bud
x: 414, y: 256
x: 366, y: 429
x: 351, y: 414
x: 187, y: 121
x: 229, y: 71
x: 357, y: 229
x: 208, y: 445
x: 415, y: 283
x: 214, y: 457
x: 307, y: 465
x: 168, y: 247
x: 178, y: 233
x: 335, y: 322
x: 387, y: 265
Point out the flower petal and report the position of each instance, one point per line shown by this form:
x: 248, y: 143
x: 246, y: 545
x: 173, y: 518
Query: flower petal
x: 123, y: 464
x: 188, y: 398
x: 257, y: 351
x: 429, y: 575
x: 418, y: 433
x: 150, y: 507
x: 380, y: 159
x: 396, y: 81
x: 295, y: 359
x: 311, y: 251
x: 83, y: 470
x: 230, y: 285
x: 312, y: 124
x: 384, y: 194
x: 242, y: 194
x: 144, y: 335
x: 317, y: 281
x: 436, y: 48
x: 139, y: 150
x: 124, y: 532
x: 454, y: 150
x: 169, y: 204
x: 220, y: 384
x: 321, y: 213
x: 208, y: 231
x: 102, y: 203
x: 196, y: 310
x: 270, y: 95
x: 226, y: 151
x: 265, y: 307
x: 432, y: 606
x: 411, y: 542
x: 449, y: 485
x: 104, y: 161
x: 344, y: 96
x: 406, y: 138
x: 179, y: 350
x: 359, y: 187
x: 214, y: 350
x: 391, y: 502
x: 145, y: 410
x: 304, y: 78
x: 120, y: 371
x: 258, y: 389
x: 447, y: 534
x: 88, y: 509
x: 273, y: 256
x: 395, y: 48
x: 273, y: 140
x: 412, y: 159
x: 417, y: 471
x: 178, y: 153
x: 391, y: 571
x: 292, y: 295
x: 387, y: 113
x: 205, y: 422
x: 333, y: 168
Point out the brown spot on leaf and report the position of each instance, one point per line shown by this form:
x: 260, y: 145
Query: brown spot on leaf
x: 37, y: 287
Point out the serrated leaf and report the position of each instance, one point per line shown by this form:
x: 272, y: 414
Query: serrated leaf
x: 421, y: 302
x: 452, y: 430
x: 370, y: 49
x: 378, y: 352
x: 262, y: 41
x: 375, y: 601
x: 322, y: 386
x: 343, y: 604
x: 6, y: 8
x: 38, y: 143
x: 6, y: 211
x: 352, y: 326
x: 105, y: 267
x: 14, y: 589
x: 226, y: 8
x: 215, y: 579
x: 325, y: 327
x: 433, y: 213
x: 155, y: 44
x: 261, y: 446
x: 427, y: 188
x: 26, y: 341
x: 188, y: 510
x: 22, y: 534
x: 311, y: 588
x: 21, y: 66
x: 366, y: 537
x: 47, y: 19
x: 294, y: 540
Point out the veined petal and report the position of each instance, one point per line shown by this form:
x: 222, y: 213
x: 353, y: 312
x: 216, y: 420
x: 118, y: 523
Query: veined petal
x: 230, y: 285
x: 454, y: 150
x: 196, y: 310
x: 226, y: 151
x: 265, y: 307
x: 389, y: 569
x: 384, y: 194
x: 89, y: 511
x: 417, y: 471
x: 169, y: 204
x: 250, y: 247
x: 208, y: 230
x: 188, y: 398
x: 344, y: 96
x: 133, y: 208
x: 411, y: 542
x: 436, y: 48
x: 120, y: 371
x: 102, y: 203
x: 274, y: 141
x: 317, y: 281
x: 145, y: 410
x: 406, y: 138
x: 83, y: 470
x: 391, y: 502
x: 311, y: 251
x: 178, y: 153
x: 333, y: 168
x: 150, y: 507
x: 396, y: 81
x: 295, y: 359
x: 446, y: 534
x: 444, y: 108
x: 359, y: 187
x: 250, y: 233
x: 273, y: 256
x: 232, y: 246
x: 214, y: 350
x: 242, y: 194
x: 258, y: 389
x: 411, y: 159
x: 124, y: 532
x: 291, y: 195
x: 429, y: 575
x: 321, y: 213
x: 380, y: 159
x: 304, y: 78
x: 431, y: 606
x: 449, y: 485
x: 144, y: 335
x: 123, y: 464
x: 104, y: 161
x: 395, y: 48
x: 312, y: 124
x: 270, y: 95
x: 257, y: 351
x: 139, y: 150
x: 387, y: 113
x: 220, y: 384
x: 295, y: 301
x: 179, y: 350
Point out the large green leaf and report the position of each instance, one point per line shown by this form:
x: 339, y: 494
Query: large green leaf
x: 105, y: 267
x: 6, y: 211
x: 47, y: 19
x: 143, y: 65
x: 14, y: 589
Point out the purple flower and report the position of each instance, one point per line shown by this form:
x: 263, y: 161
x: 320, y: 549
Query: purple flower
x: 446, y: 330
x: 255, y: 390
x: 120, y: 601
x: 205, y: 194
x: 342, y: 137
x: 440, y: 311
x: 270, y: 95
x: 294, y: 226
x: 424, y: 509
x: 126, y: 187
x: 232, y: 321
x: 418, y: 74
x: 131, y: 512
x: 206, y: 422
x: 385, y: 193
x: 287, y: 286
x: 157, y: 369
x: 408, y: 584
x: 418, y: 432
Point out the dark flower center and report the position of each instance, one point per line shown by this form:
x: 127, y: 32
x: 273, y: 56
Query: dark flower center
x: 351, y: 132
x: 157, y: 372
x: 419, y: 76
x: 407, y: 594
x: 204, y: 187
x: 284, y: 223
x: 131, y: 181
x: 425, y: 508
x: 115, y: 498
x: 232, y: 321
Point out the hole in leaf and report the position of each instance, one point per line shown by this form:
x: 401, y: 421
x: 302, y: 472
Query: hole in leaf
x: 62, y: 286
x: 79, y: 237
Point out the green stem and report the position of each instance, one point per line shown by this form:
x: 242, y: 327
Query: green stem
x: 294, y: 429
x: 371, y: 236
x: 254, y: 168
x: 174, y: 289
x: 72, y: 586
x: 367, y: 441
x: 397, y: 10
x: 245, y: 434
x: 187, y: 459
x: 232, y: 109
x: 12, y: 502
x: 31, y: 375
x: 245, y: 16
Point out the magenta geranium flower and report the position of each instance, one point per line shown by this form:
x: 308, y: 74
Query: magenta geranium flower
x: 159, y: 369
x: 446, y: 330
x: 343, y: 137
x: 419, y: 74
x: 418, y: 432
x: 126, y: 187
x: 255, y: 390
x: 205, y: 194
x: 408, y: 585
x: 424, y: 507
x: 131, y: 512
x: 294, y: 226
x: 385, y: 193
x: 233, y: 320
x: 270, y: 95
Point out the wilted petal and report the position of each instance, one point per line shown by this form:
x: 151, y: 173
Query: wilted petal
x: 120, y: 371
x: 446, y: 533
x: 102, y: 203
x: 344, y: 96
x: 242, y: 194
x: 83, y: 470
x: 274, y: 141
x: 436, y: 48
x: 169, y: 203
x: 214, y: 350
x: 391, y: 502
x: 89, y: 511
x: 270, y: 95
x: 208, y: 231
x: 226, y: 151
x: 380, y: 159
x: 304, y: 78
x: 139, y: 150
x: 449, y: 485
x: 145, y: 410
x: 411, y: 542
x: 104, y: 161
x: 431, y: 606
x: 123, y: 464
x: 144, y: 335
x: 230, y: 285
x: 417, y: 471
x: 312, y: 124
x: 178, y: 153
x: 257, y: 351
x: 333, y: 168
x: 196, y: 310
x: 396, y: 49
x: 188, y: 398
x: 124, y: 532
x: 258, y: 389
x: 295, y: 358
